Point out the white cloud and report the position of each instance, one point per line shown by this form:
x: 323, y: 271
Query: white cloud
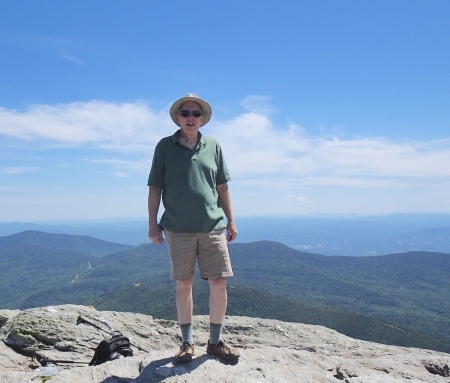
x: 254, y: 147
x: 252, y: 143
x: 123, y: 127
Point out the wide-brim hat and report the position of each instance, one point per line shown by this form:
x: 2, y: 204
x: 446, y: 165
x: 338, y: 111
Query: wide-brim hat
x: 206, y: 108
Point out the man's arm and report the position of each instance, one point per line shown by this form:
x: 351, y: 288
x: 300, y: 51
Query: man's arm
x: 154, y: 199
x: 225, y: 203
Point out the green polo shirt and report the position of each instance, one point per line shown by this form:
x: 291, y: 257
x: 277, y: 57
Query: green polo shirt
x: 188, y: 180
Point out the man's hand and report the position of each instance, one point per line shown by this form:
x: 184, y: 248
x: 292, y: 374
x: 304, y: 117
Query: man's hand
x: 225, y: 203
x: 231, y: 232
x: 154, y: 231
x: 155, y: 234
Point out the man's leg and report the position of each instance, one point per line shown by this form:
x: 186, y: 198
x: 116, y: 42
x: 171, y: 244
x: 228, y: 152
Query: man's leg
x: 217, y: 307
x: 214, y: 263
x: 217, y: 299
x: 184, y: 300
x: 184, y: 304
x: 183, y: 256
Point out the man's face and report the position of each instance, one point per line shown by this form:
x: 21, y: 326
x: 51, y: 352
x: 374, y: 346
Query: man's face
x: 190, y: 123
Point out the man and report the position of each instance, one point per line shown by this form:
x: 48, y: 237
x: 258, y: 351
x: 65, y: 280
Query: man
x: 190, y: 174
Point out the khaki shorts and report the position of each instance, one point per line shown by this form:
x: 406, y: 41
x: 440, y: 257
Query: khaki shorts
x: 209, y: 249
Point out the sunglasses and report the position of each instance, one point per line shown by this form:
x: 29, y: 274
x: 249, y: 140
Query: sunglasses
x: 187, y: 113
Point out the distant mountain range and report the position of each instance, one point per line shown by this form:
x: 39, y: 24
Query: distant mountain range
x: 328, y: 235
x: 394, y: 299
x: 89, y: 245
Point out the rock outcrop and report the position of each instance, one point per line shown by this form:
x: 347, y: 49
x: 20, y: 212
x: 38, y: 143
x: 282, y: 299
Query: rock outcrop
x: 271, y: 351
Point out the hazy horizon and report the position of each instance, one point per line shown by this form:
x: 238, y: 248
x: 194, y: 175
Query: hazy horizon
x: 326, y: 235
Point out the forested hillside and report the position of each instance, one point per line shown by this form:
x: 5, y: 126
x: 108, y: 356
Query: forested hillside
x: 395, y: 298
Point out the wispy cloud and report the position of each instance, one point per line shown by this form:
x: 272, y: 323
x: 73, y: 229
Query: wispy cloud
x: 258, y: 104
x: 72, y: 58
x: 17, y: 169
x: 54, y: 45
x: 254, y: 146
x: 122, y: 167
x: 301, y: 199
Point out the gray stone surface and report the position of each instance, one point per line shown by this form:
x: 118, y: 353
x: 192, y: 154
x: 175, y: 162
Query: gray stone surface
x: 271, y: 351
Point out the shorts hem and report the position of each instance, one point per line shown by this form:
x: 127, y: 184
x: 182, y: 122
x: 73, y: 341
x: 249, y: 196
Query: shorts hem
x: 221, y: 275
x: 180, y: 277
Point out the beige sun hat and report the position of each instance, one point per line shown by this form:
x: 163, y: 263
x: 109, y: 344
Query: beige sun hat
x: 206, y: 108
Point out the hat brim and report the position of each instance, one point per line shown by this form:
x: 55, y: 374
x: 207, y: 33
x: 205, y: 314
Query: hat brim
x: 206, y: 108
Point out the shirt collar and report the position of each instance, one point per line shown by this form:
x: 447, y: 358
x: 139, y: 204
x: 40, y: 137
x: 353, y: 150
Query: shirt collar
x: 176, y: 138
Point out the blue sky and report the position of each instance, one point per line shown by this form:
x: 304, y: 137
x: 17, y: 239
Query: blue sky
x: 320, y: 106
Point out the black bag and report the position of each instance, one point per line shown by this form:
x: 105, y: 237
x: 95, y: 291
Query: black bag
x: 113, y: 348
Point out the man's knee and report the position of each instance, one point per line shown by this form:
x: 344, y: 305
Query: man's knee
x: 185, y: 283
x: 218, y: 283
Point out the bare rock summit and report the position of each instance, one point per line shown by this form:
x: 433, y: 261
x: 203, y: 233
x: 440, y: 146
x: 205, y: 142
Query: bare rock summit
x: 271, y: 351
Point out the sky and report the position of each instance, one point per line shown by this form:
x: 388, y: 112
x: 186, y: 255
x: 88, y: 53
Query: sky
x: 321, y: 107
